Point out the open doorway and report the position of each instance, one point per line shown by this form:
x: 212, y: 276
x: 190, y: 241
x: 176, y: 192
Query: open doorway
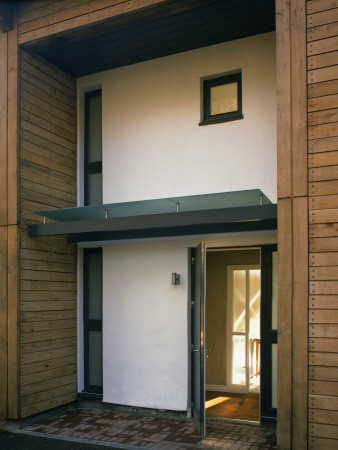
x: 233, y: 326
x: 232, y: 330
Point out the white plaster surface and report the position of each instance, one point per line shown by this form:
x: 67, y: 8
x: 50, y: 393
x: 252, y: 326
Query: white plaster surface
x: 153, y: 146
x: 145, y: 345
x: 145, y: 319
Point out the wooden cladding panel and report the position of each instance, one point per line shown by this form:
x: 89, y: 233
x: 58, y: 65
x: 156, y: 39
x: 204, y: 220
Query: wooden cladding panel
x: 48, y: 275
x: 284, y: 390
x: 315, y: 6
x: 3, y: 134
x: 9, y: 403
x: 56, y: 17
x: 322, y: 51
x: 3, y: 321
x: 322, y: 31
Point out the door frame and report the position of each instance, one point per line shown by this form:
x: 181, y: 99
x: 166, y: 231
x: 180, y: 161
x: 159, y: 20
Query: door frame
x: 269, y: 336
x: 245, y: 247
x: 197, y: 264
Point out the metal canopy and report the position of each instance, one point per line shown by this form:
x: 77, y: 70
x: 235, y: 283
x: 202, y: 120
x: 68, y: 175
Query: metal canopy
x: 178, y: 216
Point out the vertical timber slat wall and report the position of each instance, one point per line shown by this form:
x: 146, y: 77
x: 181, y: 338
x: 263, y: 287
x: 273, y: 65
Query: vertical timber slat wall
x: 48, y: 325
x: 292, y: 224
x: 3, y: 225
x: 322, y: 56
x: 9, y: 401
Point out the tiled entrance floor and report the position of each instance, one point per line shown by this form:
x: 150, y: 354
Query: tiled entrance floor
x: 154, y: 432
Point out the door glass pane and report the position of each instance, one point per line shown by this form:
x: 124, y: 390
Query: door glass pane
x: 223, y: 98
x: 95, y: 358
x: 239, y: 301
x: 274, y: 375
x: 274, y: 290
x: 94, y: 127
x: 254, y: 331
x: 94, y: 189
x: 95, y: 286
x: 238, y: 360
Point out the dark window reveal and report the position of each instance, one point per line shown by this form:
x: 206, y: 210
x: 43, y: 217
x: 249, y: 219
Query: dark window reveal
x: 93, y: 148
x: 92, y: 320
x: 222, y: 99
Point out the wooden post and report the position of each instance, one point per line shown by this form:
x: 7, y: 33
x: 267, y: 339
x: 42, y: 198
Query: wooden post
x: 3, y: 223
x: 292, y: 224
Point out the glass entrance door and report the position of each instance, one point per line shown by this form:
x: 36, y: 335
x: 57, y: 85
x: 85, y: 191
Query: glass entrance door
x: 198, y: 337
x: 243, y: 337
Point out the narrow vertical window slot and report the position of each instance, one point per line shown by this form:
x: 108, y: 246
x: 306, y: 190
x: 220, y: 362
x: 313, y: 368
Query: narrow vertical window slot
x: 93, y: 148
x: 93, y: 320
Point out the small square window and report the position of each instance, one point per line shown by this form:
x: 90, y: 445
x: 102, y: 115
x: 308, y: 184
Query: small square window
x: 222, y: 99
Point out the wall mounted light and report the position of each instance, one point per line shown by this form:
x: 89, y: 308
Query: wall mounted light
x: 175, y: 278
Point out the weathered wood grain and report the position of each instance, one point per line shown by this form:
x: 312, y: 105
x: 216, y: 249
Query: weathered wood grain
x: 323, y: 202
x: 323, y: 345
x: 323, y: 17
x: 323, y: 59
x: 324, y: 216
x: 323, y: 359
x: 323, y: 74
x: 300, y: 320
x: 314, y: 6
x: 323, y: 387
x: 322, y: 31
x: 322, y: 89
x: 323, y: 273
x: 324, y: 431
x: 323, y: 330
x: 323, y: 245
x: 48, y: 275
x: 323, y: 187
x: 323, y: 259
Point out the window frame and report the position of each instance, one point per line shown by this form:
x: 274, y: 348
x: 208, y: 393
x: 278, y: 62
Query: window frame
x: 209, y: 83
x: 90, y: 324
x: 269, y: 335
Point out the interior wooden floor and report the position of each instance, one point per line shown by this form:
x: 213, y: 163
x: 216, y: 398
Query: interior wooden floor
x: 232, y: 406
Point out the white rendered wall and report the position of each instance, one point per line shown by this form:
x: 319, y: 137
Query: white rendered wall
x: 145, y: 344
x: 145, y: 318
x: 153, y: 146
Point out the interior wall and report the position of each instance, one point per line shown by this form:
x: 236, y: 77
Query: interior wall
x: 153, y: 146
x: 216, y: 310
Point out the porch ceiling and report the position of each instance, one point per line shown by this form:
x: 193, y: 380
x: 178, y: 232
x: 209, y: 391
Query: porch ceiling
x: 174, y: 27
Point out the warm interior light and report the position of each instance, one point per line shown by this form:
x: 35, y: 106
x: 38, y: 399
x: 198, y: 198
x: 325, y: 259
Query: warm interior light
x: 216, y: 401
